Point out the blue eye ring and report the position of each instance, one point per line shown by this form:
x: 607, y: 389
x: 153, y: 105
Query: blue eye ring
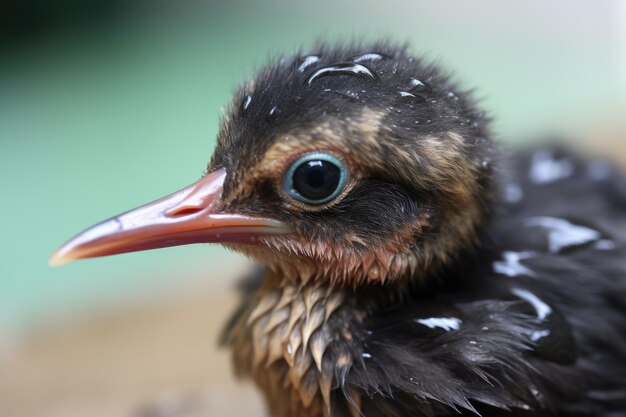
x: 290, y: 187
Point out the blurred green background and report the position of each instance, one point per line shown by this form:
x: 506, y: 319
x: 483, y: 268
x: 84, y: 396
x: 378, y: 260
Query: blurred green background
x: 105, y: 105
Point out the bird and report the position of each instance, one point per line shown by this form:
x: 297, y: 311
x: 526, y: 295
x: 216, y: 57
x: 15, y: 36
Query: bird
x: 409, y: 265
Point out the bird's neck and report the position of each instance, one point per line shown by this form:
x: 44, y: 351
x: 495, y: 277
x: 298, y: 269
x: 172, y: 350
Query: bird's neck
x: 294, y: 339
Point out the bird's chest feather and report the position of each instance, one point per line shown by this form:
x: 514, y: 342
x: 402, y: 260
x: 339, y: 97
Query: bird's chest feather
x: 298, y: 342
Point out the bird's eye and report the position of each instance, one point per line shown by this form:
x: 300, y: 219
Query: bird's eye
x: 315, y: 178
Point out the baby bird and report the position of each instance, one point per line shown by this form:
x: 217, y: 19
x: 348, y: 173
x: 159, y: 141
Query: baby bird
x: 411, y: 267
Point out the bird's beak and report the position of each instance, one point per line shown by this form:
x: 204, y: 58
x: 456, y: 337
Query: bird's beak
x: 190, y: 215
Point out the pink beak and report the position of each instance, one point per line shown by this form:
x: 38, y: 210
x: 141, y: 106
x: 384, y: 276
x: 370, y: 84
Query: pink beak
x: 187, y: 216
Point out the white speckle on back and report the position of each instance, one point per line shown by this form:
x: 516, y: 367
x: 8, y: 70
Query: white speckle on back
x: 308, y: 61
x: 445, y: 323
x: 545, y: 169
x: 247, y: 102
x: 368, y: 57
x: 563, y: 234
x: 415, y: 82
x: 511, y: 265
x: 543, y: 310
x: 538, y: 334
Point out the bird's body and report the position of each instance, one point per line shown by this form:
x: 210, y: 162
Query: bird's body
x: 531, y: 324
x: 412, y: 268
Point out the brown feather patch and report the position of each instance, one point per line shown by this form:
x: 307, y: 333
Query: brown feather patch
x: 287, y: 331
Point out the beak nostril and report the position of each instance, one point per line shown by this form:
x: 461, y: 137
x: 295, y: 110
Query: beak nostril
x: 183, y: 211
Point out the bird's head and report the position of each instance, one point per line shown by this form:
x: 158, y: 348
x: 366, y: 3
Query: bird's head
x: 350, y: 164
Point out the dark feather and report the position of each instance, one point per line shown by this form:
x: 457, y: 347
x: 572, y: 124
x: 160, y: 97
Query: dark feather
x: 516, y: 302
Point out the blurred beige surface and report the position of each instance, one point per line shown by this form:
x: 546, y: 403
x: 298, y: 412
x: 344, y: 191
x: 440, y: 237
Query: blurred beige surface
x: 158, y: 360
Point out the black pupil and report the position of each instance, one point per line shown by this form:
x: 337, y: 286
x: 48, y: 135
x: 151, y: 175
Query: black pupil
x: 316, y: 180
